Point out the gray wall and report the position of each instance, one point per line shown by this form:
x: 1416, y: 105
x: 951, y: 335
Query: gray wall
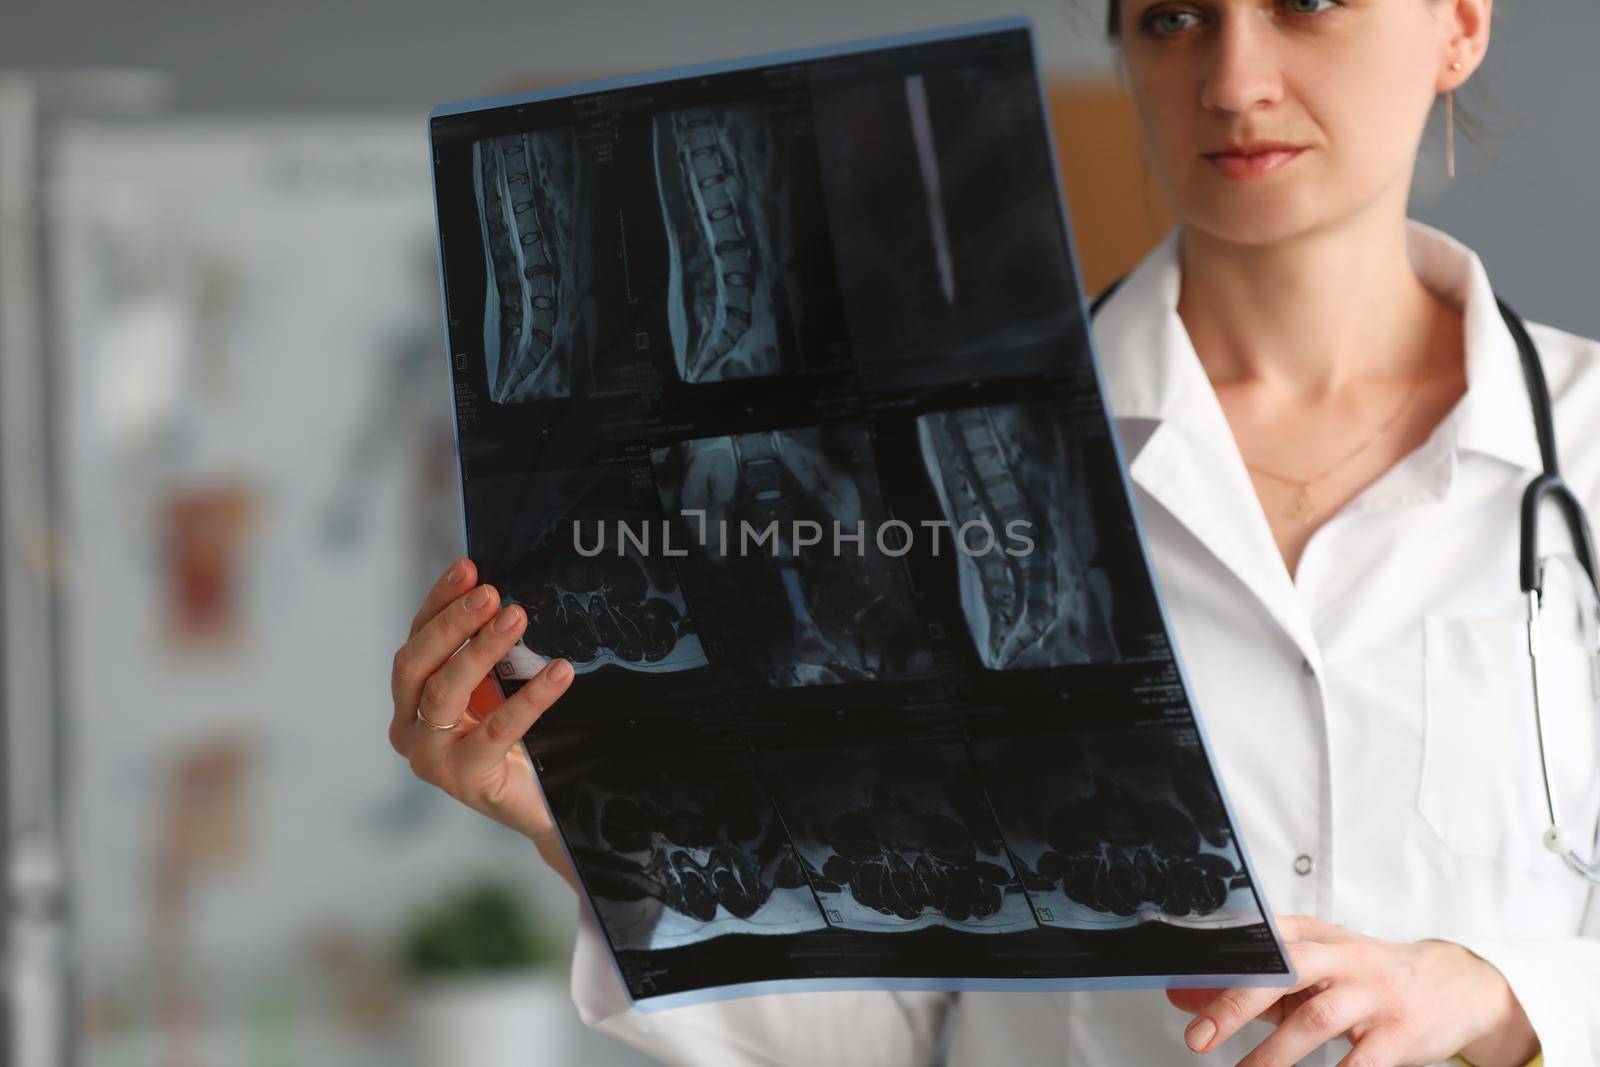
x: 416, y: 53
x: 1531, y: 210
x: 1529, y: 204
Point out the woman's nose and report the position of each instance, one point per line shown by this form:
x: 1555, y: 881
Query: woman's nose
x: 1245, y: 72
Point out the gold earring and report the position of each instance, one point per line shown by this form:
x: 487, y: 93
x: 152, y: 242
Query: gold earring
x: 1450, y: 126
x: 1450, y: 133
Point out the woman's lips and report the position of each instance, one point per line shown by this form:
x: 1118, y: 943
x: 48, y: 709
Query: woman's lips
x: 1247, y: 166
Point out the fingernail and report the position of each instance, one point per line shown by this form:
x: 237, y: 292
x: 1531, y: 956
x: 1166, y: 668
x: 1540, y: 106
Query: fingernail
x: 478, y: 599
x: 456, y: 574
x: 1200, y: 1033
x: 506, y: 620
x: 559, y: 671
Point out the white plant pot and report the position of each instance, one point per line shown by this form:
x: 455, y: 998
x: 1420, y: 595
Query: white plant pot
x: 511, y: 1019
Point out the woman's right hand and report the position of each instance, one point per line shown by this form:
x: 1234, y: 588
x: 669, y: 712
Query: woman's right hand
x: 456, y: 639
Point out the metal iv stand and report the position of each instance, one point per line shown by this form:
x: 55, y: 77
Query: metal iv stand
x: 36, y: 1010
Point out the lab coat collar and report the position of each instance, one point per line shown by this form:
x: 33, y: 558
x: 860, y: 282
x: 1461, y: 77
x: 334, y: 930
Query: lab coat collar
x: 1151, y: 371
x: 1186, y: 457
x: 1181, y: 448
x: 1495, y: 418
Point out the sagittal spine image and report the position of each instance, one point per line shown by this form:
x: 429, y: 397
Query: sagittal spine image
x: 898, y: 838
x: 947, y: 228
x: 618, y: 606
x: 816, y: 616
x: 680, y: 849
x: 1044, y: 605
x: 1112, y: 829
x: 532, y: 191
x: 723, y: 180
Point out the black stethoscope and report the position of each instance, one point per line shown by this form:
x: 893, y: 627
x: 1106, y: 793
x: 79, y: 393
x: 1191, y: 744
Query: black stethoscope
x: 1548, y: 487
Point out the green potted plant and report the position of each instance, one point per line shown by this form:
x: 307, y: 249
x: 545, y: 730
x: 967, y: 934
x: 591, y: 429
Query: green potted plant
x: 486, y: 981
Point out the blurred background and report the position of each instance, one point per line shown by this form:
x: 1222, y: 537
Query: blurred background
x: 226, y: 477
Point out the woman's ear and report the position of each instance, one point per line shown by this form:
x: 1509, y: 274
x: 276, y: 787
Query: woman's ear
x: 1467, y: 22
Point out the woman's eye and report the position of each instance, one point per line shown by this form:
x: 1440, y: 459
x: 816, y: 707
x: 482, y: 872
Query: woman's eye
x: 1166, y: 23
x: 1169, y: 22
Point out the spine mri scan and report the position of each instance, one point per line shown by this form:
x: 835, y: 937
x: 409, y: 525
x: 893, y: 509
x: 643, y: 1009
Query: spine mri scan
x: 719, y: 181
x: 822, y: 617
x: 996, y: 466
x: 532, y: 198
x: 680, y: 853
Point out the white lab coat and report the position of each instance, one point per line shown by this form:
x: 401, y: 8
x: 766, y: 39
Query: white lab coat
x: 1371, y: 718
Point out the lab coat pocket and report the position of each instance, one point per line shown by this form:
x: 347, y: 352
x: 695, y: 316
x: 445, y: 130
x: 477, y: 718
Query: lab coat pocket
x: 1481, y: 788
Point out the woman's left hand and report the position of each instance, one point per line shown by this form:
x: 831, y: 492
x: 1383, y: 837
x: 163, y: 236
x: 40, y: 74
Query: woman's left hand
x: 1398, y: 1004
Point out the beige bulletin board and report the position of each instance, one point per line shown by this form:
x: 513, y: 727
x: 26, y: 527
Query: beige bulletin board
x: 1117, y: 213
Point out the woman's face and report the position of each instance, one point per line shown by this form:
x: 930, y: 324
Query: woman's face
x: 1344, y: 86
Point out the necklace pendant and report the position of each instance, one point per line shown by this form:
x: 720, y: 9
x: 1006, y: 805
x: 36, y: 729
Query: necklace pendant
x: 1305, y: 509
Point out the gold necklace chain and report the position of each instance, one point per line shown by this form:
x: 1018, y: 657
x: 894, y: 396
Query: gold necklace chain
x: 1305, y: 508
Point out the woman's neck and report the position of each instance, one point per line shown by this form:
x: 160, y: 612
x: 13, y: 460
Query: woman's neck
x: 1310, y: 316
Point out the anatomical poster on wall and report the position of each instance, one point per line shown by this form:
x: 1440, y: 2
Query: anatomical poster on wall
x: 777, y: 411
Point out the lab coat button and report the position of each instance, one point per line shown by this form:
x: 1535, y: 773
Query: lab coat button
x: 1310, y: 671
x: 1304, y: 864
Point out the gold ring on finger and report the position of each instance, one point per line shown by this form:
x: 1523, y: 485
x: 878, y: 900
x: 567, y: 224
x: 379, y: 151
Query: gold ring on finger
x: 440, y: 727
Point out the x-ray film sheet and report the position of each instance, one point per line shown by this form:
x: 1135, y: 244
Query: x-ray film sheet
x: 777, y: 411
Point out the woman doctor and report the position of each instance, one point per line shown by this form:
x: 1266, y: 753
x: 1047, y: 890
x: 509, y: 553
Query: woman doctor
x: 1329, y: 436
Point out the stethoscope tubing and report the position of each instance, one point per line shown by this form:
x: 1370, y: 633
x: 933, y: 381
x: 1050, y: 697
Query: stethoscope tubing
x: 1547, y: 488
